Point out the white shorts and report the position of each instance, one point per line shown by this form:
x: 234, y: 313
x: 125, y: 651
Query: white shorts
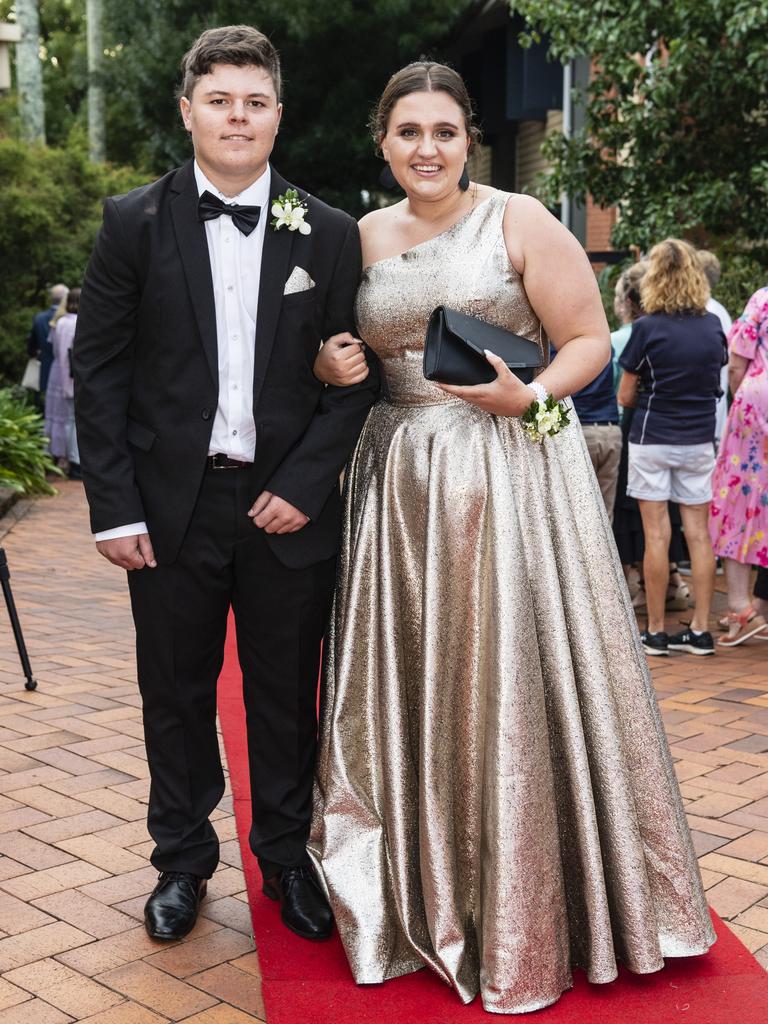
x: 682, y: 473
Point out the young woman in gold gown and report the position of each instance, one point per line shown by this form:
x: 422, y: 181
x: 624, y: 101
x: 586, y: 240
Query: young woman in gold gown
x: 495, y: 797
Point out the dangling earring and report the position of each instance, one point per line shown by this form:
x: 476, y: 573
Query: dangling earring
x: 464, y: 179
x: 387, y: 179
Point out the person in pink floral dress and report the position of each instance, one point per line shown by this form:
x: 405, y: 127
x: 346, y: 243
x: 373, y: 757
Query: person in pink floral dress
x: 739, y: 509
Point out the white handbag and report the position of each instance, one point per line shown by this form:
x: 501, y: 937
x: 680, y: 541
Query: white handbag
x: 31, y: 378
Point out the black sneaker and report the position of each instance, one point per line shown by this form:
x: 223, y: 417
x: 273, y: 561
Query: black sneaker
x: 654, y: 643
x: 692, y: 643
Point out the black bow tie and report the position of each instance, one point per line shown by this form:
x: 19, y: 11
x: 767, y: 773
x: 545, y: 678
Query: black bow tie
x: 245, y: 218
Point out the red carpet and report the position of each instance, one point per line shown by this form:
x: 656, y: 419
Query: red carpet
x: 308, y: 983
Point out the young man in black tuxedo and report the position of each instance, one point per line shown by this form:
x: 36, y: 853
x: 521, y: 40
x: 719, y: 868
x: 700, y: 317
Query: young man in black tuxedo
x: 211, y: 457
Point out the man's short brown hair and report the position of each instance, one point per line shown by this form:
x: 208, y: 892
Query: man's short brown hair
x: 241, y: 45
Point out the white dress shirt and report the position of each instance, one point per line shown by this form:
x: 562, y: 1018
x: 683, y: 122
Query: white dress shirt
x: 721, y: 413
x: 236, y: 272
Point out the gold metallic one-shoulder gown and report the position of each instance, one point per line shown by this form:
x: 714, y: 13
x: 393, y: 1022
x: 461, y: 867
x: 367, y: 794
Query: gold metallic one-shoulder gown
x: 495, y: 797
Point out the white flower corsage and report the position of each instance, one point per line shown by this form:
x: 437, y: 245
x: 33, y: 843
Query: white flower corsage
x: 289, y: 211
x: 545, y: 418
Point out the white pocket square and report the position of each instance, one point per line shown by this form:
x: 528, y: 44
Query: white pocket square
x: 299, y: 281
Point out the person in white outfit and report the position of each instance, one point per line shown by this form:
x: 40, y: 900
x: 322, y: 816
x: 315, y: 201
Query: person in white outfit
x: 710, y: 264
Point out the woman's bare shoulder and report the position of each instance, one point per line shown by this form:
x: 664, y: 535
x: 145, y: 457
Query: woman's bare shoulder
x: 522, y: 208
x: 375, y: 231
x: 377, y: 219
x: 531, y: 231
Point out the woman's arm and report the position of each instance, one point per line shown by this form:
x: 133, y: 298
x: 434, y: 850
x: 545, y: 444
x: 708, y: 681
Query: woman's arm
x: 737, y: 371
x: 743, y: 338
x: 562, y: 290
x: 627, y: 393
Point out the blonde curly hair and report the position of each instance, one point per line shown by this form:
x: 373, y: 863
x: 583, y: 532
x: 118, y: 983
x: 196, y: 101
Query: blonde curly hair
x: 674, y: 281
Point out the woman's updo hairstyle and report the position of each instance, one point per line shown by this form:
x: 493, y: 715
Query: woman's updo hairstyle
x: 423, y: 76
x: 628, y: 288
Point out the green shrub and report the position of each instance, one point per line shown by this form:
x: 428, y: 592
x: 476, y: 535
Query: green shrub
x: 24, y: 458
x: 606, y: 282
x: 745, y: 269
x: 50, y: 211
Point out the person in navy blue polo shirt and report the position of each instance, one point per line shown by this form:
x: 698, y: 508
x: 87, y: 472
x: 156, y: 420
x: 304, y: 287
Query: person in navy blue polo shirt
x: 672, y: 366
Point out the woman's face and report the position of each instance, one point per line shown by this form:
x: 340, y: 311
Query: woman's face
x: 426, y: 144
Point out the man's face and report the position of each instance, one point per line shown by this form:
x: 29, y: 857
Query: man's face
x: 233, y: 116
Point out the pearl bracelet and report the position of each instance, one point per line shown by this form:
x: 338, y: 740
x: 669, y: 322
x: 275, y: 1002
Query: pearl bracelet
x: 539, y: 390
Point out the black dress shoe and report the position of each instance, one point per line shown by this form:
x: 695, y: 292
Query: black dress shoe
x: 304, y: 908
x: 171, y: 911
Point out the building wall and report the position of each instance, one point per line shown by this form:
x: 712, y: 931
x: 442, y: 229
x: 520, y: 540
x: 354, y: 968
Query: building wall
x: 480, y: 164
x: 530, y: 160
x: 600, y: 221
x: 593, y: 227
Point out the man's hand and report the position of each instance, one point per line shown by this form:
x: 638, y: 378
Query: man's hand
x: 134, y: 552
x: 275, y: 515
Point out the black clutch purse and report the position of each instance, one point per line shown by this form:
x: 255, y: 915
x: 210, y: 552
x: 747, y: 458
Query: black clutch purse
x: 453, y: 350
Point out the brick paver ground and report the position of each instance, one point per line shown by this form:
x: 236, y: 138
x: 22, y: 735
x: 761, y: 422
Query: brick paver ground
x: 74, y: 870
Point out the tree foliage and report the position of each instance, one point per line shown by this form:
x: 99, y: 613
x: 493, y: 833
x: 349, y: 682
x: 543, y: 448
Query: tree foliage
x: 65, y: 74
x: 50, y: 209
x: 337, y: 56
x: 745, y: 269
x: 675, y: 130
x: 29, y: 73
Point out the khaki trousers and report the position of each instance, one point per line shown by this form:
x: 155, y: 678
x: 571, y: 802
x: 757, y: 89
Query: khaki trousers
x: 604, y: 445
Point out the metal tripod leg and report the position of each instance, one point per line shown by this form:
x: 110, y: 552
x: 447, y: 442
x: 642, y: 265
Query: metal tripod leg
x: 5, y: 580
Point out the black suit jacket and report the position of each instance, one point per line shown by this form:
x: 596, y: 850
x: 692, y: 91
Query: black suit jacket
x: 146, y: 367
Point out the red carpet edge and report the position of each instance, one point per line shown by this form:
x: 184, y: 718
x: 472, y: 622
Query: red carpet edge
x: 310, y: 983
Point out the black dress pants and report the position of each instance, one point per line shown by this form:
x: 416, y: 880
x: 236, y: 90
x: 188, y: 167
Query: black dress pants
x: 180, y: 612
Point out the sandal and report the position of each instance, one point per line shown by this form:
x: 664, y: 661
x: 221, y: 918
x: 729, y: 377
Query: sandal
x: 676, y: 598
x: 741, y: 626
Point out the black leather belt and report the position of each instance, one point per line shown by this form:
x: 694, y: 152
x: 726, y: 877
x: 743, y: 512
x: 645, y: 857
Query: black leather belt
x: 219, y: 461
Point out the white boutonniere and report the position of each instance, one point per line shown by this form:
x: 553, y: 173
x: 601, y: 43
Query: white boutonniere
x: 289, y: 211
